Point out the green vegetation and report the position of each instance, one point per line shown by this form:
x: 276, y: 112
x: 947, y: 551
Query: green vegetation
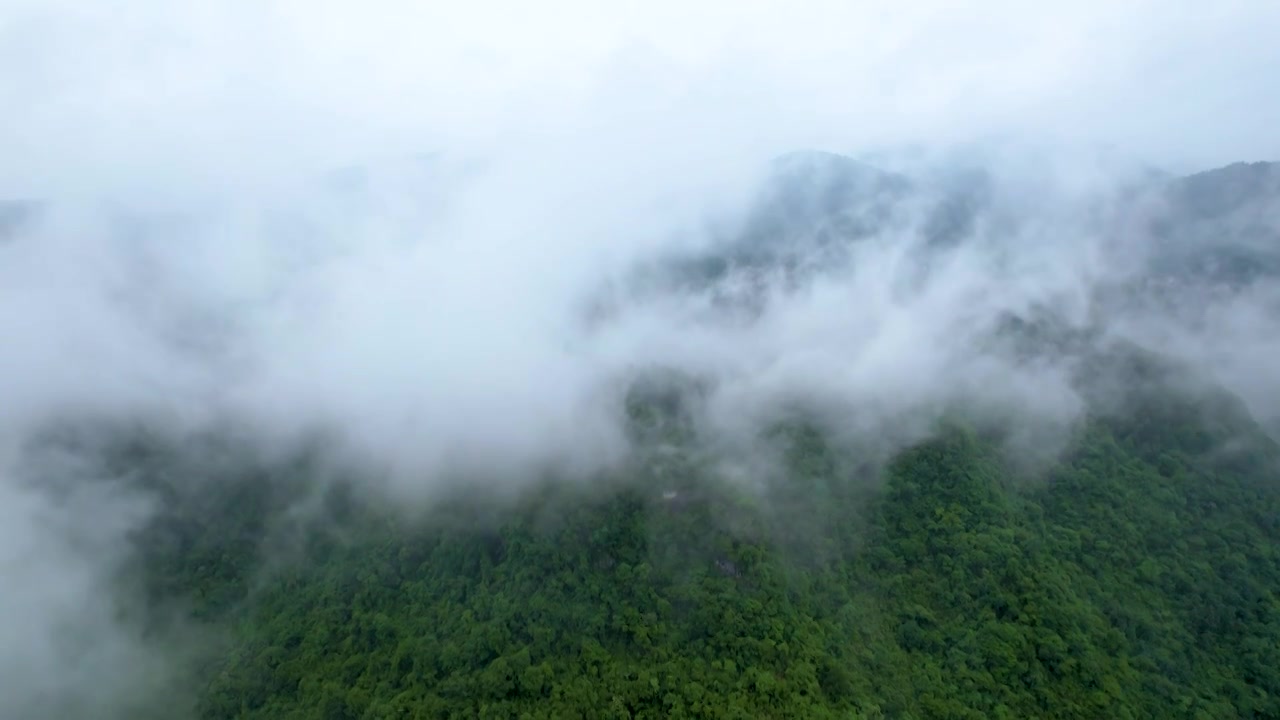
x: 1137, y: 577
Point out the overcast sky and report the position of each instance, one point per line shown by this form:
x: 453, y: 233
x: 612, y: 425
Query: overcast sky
x: 103, y: 93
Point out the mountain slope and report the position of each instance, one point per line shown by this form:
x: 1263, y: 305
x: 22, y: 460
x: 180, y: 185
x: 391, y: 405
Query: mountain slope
x: 1138, y: 576
x: 1132, y: 571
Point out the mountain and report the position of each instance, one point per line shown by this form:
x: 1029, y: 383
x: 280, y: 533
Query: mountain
x: 1167, y: 239
x: 1221, y: 226
x: 1125, y: 565
x: 801, y: 220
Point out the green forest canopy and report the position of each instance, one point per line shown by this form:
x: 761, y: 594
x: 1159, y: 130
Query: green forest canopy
x: 1136, y: 577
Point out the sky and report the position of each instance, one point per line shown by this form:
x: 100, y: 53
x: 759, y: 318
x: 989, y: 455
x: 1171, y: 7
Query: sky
x: 197, y: 266
x: 148, y: 92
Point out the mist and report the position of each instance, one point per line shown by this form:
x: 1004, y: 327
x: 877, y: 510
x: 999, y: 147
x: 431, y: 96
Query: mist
x: 444, y: 236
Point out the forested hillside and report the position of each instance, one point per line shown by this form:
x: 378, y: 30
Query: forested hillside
x: 1136, y: 576
x: 950, y: 554
x: 951, y: 493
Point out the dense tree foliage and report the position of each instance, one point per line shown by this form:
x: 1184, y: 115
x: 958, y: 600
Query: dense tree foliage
x: 1137, y: 576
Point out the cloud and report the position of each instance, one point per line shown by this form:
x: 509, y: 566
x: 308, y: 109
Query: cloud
x: 73, y: 646
x: 195, y: 252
